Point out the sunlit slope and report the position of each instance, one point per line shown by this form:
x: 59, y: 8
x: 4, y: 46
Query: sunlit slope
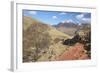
x: 57, y: 34
x: 54, y: 33
x: 35, y: 31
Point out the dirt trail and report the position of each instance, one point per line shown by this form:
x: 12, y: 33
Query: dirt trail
x: 75, y: 52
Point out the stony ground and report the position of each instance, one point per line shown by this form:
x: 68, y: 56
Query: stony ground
x: 76, y: 52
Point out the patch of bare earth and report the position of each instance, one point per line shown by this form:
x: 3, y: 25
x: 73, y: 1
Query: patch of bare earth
x: 76, y: 52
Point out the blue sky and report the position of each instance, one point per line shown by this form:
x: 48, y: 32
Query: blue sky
x: 55, y: 17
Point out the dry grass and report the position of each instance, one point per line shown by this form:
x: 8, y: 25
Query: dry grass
x: 42, y: 42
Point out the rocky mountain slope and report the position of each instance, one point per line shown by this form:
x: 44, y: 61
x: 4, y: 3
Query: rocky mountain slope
x: 42, y: 42
x: 38, y: 38
x: 71, y: 28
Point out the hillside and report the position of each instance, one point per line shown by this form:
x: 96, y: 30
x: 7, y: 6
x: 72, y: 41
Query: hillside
x: 71, y: 28
x: 39, y: 39
x: 42, y: 42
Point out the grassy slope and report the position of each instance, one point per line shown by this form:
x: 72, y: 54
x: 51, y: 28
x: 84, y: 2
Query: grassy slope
x: 55, y: 34
x: 28, y: 21
x: 70, y: 31
x: 57, y: 48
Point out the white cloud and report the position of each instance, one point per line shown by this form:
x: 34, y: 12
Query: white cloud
x: 80, y: 16
x: 70, y: 21
x: 63, y: 21
x: 83, y: 19
x: 79, y: 23
x: 67, y: 21
x: 63, y: 13
x: 54, y: 17
x: 33, y: 12
x: 87, y: 20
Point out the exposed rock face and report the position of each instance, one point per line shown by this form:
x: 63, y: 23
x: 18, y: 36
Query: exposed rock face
x: 72, y: 41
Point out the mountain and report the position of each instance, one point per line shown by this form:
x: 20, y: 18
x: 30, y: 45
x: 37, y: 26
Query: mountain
x: 66, y: 24
x: 43, y: 42
x: 70, y: 28
x: 29, y: 22
x: 33, y: 25
x: 38, y: 38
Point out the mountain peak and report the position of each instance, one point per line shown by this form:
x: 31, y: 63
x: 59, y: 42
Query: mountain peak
x: 67, y: 21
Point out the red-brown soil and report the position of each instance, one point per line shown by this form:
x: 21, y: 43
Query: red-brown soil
x: 76, y: 52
